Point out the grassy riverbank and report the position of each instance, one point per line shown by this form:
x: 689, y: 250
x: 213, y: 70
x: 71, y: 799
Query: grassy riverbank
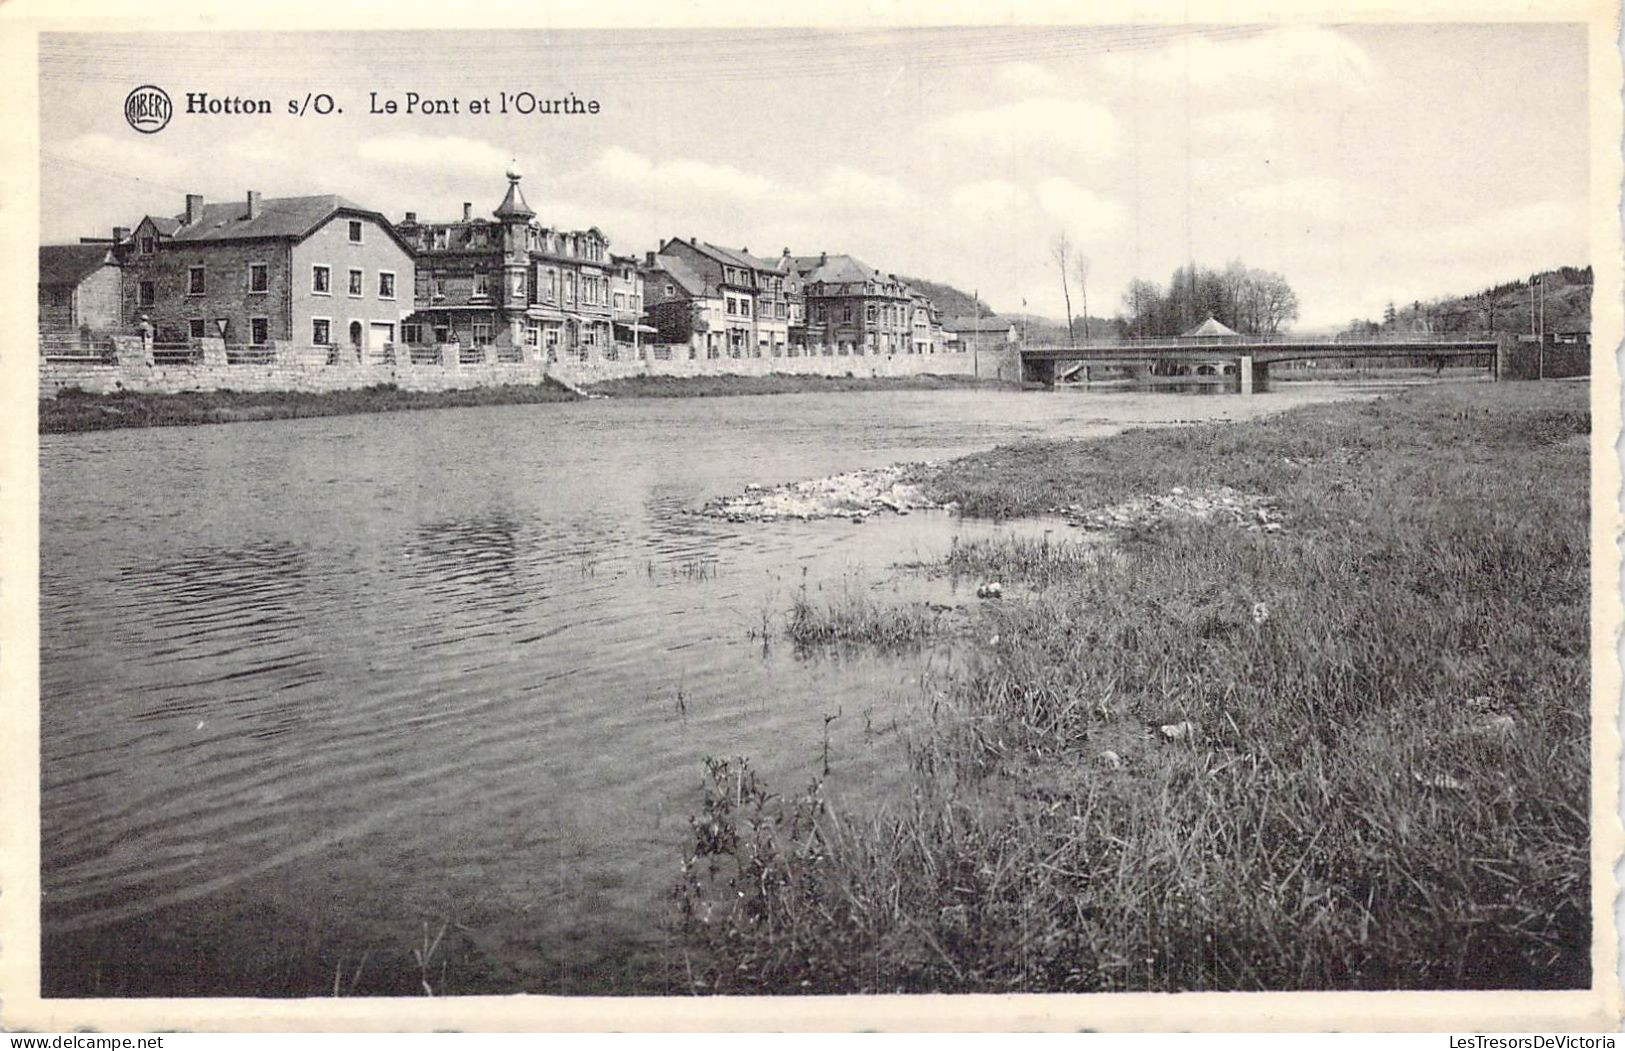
x: 74, y: 410
x: 776, y: 383
x: 1350, y: 754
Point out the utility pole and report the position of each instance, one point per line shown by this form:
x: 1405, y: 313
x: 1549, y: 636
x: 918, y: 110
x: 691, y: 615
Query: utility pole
x: 976, y: 347
x: 1540, y: 356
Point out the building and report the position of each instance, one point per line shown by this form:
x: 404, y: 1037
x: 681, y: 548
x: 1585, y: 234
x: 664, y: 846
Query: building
x: 631, y: 332
x: 755, y: 319
x: 310, y: 271
x: 964, y: 335
x: 683, y: 309
x: 525, y: 288
x: 853, y: 308
x: 79, y: 292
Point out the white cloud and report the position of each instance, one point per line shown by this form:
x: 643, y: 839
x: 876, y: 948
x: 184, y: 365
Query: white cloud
x: 1025, y: 78
x: 682, y: 176
x: 125, y: 153
x: 1083, y: 213
x: 1078, y: 125
x: 990, y: 199
x: 1282, y: 59
x: 851, y: 188
x: 1315, y: 197
x: 1250, y: 123
x: 434, y: 152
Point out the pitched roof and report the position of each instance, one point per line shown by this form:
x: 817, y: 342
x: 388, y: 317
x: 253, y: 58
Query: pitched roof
x: 70, y: 264
x: 1210, y: 327
x: 840, y: 268
x: 274, y: 217
x: 731, y: 257
x: 163, y: 224
x: 679, y: 272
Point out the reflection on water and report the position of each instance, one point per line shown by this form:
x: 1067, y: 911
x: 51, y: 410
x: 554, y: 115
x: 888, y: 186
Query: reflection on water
x: 312, y: 689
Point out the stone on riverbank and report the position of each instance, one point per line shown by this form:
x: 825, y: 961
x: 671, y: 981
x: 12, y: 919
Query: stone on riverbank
x: 854, y: 495
x: 1222, y: 504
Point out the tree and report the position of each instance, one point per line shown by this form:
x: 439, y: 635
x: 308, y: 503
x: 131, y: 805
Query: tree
x: 1061, y: 250
x: 1080, y: 269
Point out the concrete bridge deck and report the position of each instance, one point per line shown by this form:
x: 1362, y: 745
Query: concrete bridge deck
x: 1252, y: 355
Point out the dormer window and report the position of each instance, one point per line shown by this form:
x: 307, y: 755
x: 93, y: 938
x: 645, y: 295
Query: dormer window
x: 148, y: 246
x: 442, y: 238
x: 355, y: 231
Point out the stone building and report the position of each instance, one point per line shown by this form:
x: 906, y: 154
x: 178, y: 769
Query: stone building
x: 631, y: 333
x: 854, y: 309
x: 310, y: 271
x: 684, y: 310
x: 527, y: 289
x: 967, y: 335
x: 755, y: 320
x: 79, y: 289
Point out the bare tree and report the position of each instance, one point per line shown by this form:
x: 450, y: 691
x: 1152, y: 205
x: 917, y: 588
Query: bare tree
x: 1080, y: 270
x: 1061, y: 249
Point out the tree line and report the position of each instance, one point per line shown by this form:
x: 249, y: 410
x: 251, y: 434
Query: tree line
x: 1246, y: 299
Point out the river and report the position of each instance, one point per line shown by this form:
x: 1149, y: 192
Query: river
x: 319, y: 693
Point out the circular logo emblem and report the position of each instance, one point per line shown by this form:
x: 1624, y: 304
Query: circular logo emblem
x: 148, y: 109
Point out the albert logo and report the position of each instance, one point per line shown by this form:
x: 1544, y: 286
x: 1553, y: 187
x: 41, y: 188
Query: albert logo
x: 148, y: 109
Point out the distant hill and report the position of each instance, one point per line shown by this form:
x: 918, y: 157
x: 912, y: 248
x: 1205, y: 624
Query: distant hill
x: 1503, y: 308
x: 950, y: 301
x: 1044, y: 330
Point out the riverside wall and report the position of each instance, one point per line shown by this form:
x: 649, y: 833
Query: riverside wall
x: 132, y: 366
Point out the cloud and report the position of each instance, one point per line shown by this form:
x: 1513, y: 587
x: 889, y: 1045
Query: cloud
x: 1315, y: 197
x: 990, y: 199
x: 1251, y: 123
x: 683, y: 176
x: 1282, y: 59
x: 125, y: 153
x: 1083, y: 127
x: 1025, y: 78
x: 434, y: 152
x: 1083, y: 213
x: 852, y: 188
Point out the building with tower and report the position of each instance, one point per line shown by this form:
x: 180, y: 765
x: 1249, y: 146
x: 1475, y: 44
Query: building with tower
x: 511, y: 283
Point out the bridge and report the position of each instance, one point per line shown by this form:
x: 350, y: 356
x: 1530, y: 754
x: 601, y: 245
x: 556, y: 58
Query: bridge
x: 1251, y: 356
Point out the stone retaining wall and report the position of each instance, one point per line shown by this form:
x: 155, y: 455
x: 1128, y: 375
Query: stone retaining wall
x: 306, y: 369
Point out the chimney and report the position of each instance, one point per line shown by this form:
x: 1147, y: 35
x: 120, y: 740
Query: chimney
x: 411, y: 218
x: 744, y: 251
x: 253, y: 204
x: 823, y: 257
x: 648, y: 259
x: 194, y: 208
x: 468, y: 211
x: 121, y: 234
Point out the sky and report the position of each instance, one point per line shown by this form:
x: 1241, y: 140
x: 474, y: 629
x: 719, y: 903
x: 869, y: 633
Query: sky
x: 1364, y: 163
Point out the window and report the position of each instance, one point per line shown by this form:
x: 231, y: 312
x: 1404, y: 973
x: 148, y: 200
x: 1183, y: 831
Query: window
x: 194, y: 281
x: 552, y: 339
x: 670, y: 290
x: 148, y: 294
x: 533, y: 335
x: 259, y: 277
x: 438, y: 286
x: 386, y: 284
x: 869, y: 312
x: 569, y: 288
x: 148, y: 246
x: 197, y: 328
x: 442, y: 238
x: 846, y: 312
x: 411, y: 332
x: 733, y: 305
x: 620, y: 301
x: 442, y: 333
x: 357, y: 278
x: 355, y: 231
x: 482, y: 333
x: 482, y: 285
x: 519, y: 286
x: 589, y: 337
x: 321, y: 331
x: 552, y: 285
x: 744, y: 308
x: 259, y: 331
x: 818, y: 312
x: 321, y: 280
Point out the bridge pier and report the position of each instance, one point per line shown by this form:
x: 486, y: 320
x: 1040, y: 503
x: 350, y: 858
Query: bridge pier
x: 1041, y: 370
x: 1245, y: 367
